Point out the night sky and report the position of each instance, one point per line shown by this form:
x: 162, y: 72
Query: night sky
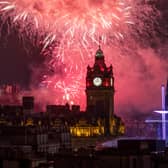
x: 18, y: 56
x: 149, y: 68
x: 13, y: 62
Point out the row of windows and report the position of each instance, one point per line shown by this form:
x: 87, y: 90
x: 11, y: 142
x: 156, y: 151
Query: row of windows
x: 87, y: 131
x: 42, y: 138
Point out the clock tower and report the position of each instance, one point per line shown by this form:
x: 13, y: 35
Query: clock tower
x: 100, y: 91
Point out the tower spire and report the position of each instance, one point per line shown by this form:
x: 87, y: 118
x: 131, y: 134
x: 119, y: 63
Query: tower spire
x: 99, y: 52
x: 99, y: 42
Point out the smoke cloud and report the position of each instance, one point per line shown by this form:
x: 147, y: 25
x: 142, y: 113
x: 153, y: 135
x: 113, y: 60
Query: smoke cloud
x: 139, y: 64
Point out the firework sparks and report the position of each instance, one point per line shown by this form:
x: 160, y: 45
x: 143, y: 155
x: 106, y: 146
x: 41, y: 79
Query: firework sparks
x: 76, y: 27
x: 66, y: 84
x: 74, y: 21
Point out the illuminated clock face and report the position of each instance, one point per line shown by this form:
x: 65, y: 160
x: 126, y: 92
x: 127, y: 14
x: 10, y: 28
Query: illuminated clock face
x: 97, y: 81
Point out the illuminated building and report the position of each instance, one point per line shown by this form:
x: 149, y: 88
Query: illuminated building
x: 99, y: 119
x: 83, y: 129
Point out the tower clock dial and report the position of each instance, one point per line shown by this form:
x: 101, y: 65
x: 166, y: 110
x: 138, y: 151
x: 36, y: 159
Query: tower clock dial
x: 97, y: 81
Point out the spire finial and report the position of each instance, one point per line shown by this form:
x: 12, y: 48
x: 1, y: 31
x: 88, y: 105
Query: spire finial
x: 99, y: 42
x: 99, y: 52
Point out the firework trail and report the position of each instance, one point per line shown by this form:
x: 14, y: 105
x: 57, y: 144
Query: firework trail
x: 74, y: 28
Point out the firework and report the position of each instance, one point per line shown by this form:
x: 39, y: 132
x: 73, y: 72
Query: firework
x: 71, y: 19
x: 74, y: 29
x: 67, y: 83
